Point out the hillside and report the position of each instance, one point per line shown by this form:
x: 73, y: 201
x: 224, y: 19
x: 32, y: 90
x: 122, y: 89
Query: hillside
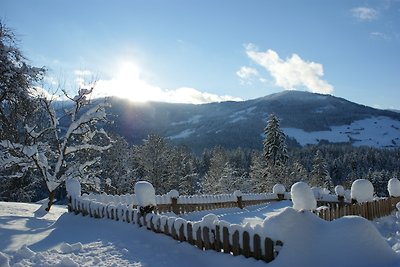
x: 306, y: 117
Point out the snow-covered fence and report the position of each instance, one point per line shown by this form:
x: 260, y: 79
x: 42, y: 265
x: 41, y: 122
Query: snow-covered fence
x: 183, y: 204
x: 370, y: 210
x: 207, y: 234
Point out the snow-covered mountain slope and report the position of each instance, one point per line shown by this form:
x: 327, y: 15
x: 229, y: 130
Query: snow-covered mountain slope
x: 306, y: 117
x: 373, y: 132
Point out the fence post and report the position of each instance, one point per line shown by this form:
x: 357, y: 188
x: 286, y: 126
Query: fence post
x: 225, y: 239
x: 268, y: 249
x: 246, y: 244
x: 174, y: 203
x: 235, y: 243
x: 281, y: 197
x: 206, y: 238
x: 239, y: 202
x: 257, y: 247
x: 189, y: 233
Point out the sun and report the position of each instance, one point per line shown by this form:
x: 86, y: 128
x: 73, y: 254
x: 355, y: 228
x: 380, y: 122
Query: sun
x: 127, y: 82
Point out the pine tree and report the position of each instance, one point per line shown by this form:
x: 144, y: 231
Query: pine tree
x: 319, y: 174
x: 275, y: 153
x: 275, y: 150
x: 211, y: 183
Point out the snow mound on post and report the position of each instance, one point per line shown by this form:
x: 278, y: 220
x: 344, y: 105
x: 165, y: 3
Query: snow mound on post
x: 237, y: 193
x: 394, y: 187
x: 339, y: 190
x: 145, y: 194
x: 173, y: 193
x: 303, y: 197
x: 362, y: 190
x: 279, y: 189
x: 310, y: 241
x: 73, y: 187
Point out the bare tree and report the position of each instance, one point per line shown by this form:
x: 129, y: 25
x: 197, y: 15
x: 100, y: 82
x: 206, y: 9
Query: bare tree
x: 60, y: 152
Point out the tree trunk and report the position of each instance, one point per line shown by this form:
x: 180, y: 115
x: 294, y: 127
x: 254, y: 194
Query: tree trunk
x: 52, y: 195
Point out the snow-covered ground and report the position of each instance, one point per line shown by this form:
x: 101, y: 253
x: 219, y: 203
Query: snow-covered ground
x: 30, y: 237
x: 374, y: 132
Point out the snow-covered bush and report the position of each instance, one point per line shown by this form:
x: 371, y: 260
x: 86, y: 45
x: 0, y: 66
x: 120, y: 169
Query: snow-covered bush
x: 362, y: 190
x: 394, y: 187
x: 145, y: 194
x: 339, y: 191
x: 279, y: 189
x: 73, y: 187
x: 302, y: 197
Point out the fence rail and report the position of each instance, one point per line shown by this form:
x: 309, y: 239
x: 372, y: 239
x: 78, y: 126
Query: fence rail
x: 219, y: 238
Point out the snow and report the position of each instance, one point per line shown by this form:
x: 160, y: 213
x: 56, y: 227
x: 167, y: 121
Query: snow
x: 339, y: 190
x: 173, y: 193
x: 302, y: 197
x: 279, y: 189
x: 145, y: 194
x: 73, y: 187
x: 184, y: 134
x: 375, y: 132
x: 394, y: 187
x: 193, y: 120
x: 65, y: 239
x: 362, y: 190
x: 310, y: 241
x: 237, y: 193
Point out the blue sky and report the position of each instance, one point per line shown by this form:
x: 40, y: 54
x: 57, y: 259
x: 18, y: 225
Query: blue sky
x: 202, y: 51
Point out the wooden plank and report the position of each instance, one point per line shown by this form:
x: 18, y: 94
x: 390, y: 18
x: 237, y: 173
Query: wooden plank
x: 174, y: 234
x: 217, y: 241
x: 189, y: 232
x: 199, y: 241
x: 225, y: 239
x: 268, y: 250
x: 206, y: 238
x: 235, y: 243
x: 257, y: 247
x: 246, y: 244
x: 181, y: 236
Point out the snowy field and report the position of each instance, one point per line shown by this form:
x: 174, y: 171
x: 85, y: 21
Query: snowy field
x: 30, y: 237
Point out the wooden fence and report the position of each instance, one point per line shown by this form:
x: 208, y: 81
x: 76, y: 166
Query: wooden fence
x: 178, y: 208
x: 369, y: 210
x: 220, y: 238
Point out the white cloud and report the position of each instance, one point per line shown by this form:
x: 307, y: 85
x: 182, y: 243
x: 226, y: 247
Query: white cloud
x: 247, y: 74
x: 291, y: 72
x: 128, y: 83
x: 364, y: 13
x: 378, y: 35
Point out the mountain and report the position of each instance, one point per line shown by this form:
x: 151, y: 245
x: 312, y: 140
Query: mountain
x: 307, y: 118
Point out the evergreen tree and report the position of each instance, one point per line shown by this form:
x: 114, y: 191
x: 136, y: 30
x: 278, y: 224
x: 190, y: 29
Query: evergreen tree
x: 275, y: 150
x: 319, y: 174
x: 275, y: 153
x: 211, y: 182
